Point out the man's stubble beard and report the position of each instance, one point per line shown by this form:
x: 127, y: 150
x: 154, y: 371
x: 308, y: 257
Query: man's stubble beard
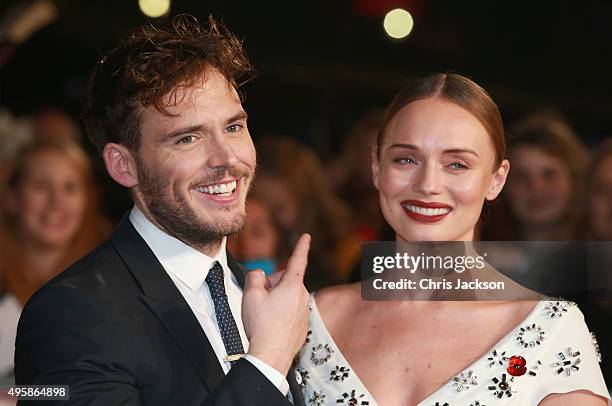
x: 173, y: 213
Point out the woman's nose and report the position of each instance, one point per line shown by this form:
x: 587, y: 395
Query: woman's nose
x: 429, y: 179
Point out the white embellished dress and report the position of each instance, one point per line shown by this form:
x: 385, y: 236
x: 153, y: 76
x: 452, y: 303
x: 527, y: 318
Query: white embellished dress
x: 551, y: 351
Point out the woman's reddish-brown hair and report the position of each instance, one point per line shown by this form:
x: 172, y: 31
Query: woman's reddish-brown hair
x: 456, y: 89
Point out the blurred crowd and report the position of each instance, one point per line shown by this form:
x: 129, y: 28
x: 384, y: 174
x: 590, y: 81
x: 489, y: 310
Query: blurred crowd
x: 54, y: 203
x: 49, y: 211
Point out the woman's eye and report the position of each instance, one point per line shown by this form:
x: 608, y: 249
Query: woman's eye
x: 550, y: 174
x: 457, y: 165
x: 188, y: 139
x: 70, y: 187
x: 39, y: 184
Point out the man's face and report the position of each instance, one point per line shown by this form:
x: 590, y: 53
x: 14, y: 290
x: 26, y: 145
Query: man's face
x: 195, y: 167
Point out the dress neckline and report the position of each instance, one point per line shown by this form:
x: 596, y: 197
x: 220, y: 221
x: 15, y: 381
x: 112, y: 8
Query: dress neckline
x: 323, y: 328
x: 500, y: 343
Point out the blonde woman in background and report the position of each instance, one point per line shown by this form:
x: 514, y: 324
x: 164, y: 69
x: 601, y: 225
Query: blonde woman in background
x: 49, y: 219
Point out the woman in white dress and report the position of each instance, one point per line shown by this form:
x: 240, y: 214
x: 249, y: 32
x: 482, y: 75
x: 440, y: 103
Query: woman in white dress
x: 442, y: 146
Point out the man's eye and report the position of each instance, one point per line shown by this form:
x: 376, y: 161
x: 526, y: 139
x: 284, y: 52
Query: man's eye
x: 233, y: 128
x: 404, y: 161
x: 188, y: 139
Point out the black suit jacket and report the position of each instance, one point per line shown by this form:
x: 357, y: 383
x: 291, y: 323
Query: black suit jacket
x: 115, y: 328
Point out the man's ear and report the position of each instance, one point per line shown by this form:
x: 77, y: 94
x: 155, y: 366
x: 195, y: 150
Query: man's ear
x: 499, y: 180
x: 120, y: 164
x: 375, y: 165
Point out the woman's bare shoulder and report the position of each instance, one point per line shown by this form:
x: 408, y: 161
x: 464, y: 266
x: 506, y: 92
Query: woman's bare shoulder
x: 579, y: 397
x: 335, y: 302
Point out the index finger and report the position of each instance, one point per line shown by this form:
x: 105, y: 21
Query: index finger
x: 296, y: 266
x: 272, y: 280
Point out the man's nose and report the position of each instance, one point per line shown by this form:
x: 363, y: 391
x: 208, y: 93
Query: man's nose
x: 221, y: 152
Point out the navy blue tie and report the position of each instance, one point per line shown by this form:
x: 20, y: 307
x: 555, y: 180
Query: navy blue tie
x: 227, y: 324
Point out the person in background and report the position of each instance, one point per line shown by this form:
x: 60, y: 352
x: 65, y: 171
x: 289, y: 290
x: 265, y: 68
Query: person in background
x: 51, y: 122
x: 543, y: 199
x: 294, y: 182
x: 351, y: 177
x: 599, y: 208
x: 46, y: 123
x: 599, y: 183
x: 14, y: 133
x: 258, y: 245
x: 49, y: 218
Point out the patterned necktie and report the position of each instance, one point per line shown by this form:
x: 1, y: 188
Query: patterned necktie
x: 227, y: 324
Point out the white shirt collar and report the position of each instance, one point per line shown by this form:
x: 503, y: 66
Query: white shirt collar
x: 185, y: 262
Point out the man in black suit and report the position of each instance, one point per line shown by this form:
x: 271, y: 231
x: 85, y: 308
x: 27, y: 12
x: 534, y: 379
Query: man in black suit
x: 157, y: 315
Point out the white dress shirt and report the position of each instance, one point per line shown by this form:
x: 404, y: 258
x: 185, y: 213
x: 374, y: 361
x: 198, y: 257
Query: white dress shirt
x: 188, y: 268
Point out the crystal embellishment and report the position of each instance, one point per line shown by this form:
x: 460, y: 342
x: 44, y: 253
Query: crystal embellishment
x: 556, y: 309
x: 567, y: 362
x: 532, y: 370
x: 502, y: 387
x: 318, y: 398
x: 321, y: 354
x: 352, y: 399
x: 339, y: 373
x: 497, y: 358
x: 464, y: 380
x: 302, y: 376
x: 530, y: 335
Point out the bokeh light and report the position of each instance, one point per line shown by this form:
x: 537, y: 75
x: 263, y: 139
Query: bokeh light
x: 154, y: 8
x: 398, y: 23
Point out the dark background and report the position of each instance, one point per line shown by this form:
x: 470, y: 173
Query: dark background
x: 322, y: 63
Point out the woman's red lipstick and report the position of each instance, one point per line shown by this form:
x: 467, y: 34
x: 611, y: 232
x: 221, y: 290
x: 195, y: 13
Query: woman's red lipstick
x: 426, y: 212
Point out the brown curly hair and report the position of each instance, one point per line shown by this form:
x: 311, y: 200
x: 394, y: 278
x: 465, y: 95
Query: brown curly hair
x: 149, y: 67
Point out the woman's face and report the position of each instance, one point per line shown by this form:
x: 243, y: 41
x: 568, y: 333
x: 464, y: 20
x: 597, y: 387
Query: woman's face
x: 539, y: 187
x: 50, y: 199
x: 600, y: 201
x: 435, y: 171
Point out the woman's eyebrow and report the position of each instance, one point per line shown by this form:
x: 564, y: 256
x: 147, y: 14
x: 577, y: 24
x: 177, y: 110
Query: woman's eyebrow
x: 460, y: 150
x: 446, y: 151
x: 404, y: 146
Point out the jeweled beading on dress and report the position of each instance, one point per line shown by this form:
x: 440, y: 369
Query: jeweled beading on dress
x: 550, y: 351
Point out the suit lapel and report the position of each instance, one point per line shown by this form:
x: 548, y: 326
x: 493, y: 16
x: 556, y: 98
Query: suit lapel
x: 237, y: 269
x: 163, y: 298
x: 294, y: 387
